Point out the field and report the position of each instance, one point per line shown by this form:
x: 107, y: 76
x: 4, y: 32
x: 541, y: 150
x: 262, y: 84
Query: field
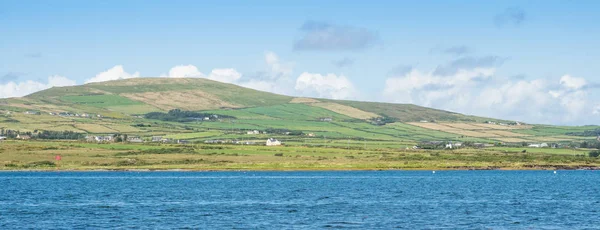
x: 503, y: 133
x: 32, y: 155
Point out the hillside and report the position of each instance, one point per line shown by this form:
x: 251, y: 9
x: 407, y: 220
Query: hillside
x: 119, y: 107
x: 141, y: 95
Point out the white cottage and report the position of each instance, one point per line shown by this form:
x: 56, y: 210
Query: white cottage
x: 273, y: 142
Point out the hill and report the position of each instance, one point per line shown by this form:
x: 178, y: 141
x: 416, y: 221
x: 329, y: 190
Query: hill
x: 141, y: 95
x: 229, y: 111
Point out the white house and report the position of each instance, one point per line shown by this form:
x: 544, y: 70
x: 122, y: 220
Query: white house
x: 253, y: 132
x: 134, y: 139
x: 273, y: 142
x: 107, y: 138
x: 542, y: 145
x: 449, y: 145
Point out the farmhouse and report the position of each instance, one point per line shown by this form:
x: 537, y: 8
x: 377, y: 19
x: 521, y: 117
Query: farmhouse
x: 165, y: 140
x: 108, y: 138
x: 156, y: 138
x: 542, y: 145
x: 183, y: 142
x: 326, y: 119
x: 23, y: 137
x: 253, y: 132
x: 273, y: 142
x: 134, y: 139
x: 451, y: 145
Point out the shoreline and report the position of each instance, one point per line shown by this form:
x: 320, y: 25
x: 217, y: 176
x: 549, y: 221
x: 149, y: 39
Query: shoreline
x: 305, y: 170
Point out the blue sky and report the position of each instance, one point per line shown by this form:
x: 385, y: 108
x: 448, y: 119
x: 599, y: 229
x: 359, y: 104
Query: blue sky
x: 463, y: 56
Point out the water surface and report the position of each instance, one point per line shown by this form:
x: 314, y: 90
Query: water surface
x: 301, y: 200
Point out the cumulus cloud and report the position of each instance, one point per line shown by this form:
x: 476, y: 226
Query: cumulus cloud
x: 510, y: 16
x: 328, y: 37
x: 327, y: 86
x: 277, y: 68
x: 343, y: 62
x: 475, y: 89
x: 572, y: 82
x: 184, y: 71
x: 276, y: 78
x: 115, y: 73
x: 224, y: 75
x: 13, y: 89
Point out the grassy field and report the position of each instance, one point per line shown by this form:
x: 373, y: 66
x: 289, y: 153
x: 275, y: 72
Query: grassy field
x: 33, y: 155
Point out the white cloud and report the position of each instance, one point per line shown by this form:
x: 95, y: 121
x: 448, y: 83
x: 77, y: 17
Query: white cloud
x: 184, y: 71
x: 572, y: 82
x: 227, y: 75
x: 224, y: 75
x: 596, y: 110
x: 13, y: 89
x: 328, y: 86
x: 475, y: 90
x: 115, y: 73
x: 275, y: 79
x: 276, y: 67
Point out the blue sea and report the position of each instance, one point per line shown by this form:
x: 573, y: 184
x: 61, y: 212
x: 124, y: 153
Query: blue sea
x: 301, y: 200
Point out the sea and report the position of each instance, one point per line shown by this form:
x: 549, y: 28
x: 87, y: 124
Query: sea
x: 301, y: 200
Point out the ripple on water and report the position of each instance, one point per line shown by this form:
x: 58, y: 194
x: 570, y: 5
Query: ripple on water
x: 307, y: 200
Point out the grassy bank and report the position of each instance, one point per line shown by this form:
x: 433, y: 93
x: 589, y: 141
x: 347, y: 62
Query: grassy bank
x: 38, y: 155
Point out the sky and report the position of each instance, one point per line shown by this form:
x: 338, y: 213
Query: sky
x: 531, y: 61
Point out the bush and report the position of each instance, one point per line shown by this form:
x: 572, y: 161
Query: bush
x: 278, y: 154
x: 594, y: 153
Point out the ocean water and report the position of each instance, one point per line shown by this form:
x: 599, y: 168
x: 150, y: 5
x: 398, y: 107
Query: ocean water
x: 301, y: 200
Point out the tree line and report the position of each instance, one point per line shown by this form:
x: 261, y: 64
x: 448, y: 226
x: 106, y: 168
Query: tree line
x: 178, y: 115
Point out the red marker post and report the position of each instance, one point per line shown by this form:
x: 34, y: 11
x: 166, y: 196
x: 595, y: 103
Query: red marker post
x: 57, y: 158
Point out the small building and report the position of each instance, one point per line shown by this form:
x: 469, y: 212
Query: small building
x: 2, y: 138
x: 165, y: 140
x: 253, y: 132
x: 326, y: 119
x: 107, y: 138
x: 183, y: 142
x: 311, y: 134
x: 134, y: 139
x: 156, y: 138
x: 534, y: 146
x: 23, y: 137
x: 273, y: 142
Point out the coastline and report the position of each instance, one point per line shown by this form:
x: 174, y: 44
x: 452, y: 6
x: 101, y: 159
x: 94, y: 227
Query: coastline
x: 594, y: 168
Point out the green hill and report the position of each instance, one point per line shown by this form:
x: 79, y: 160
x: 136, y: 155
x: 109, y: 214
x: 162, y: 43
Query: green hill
x: 141, y: 95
